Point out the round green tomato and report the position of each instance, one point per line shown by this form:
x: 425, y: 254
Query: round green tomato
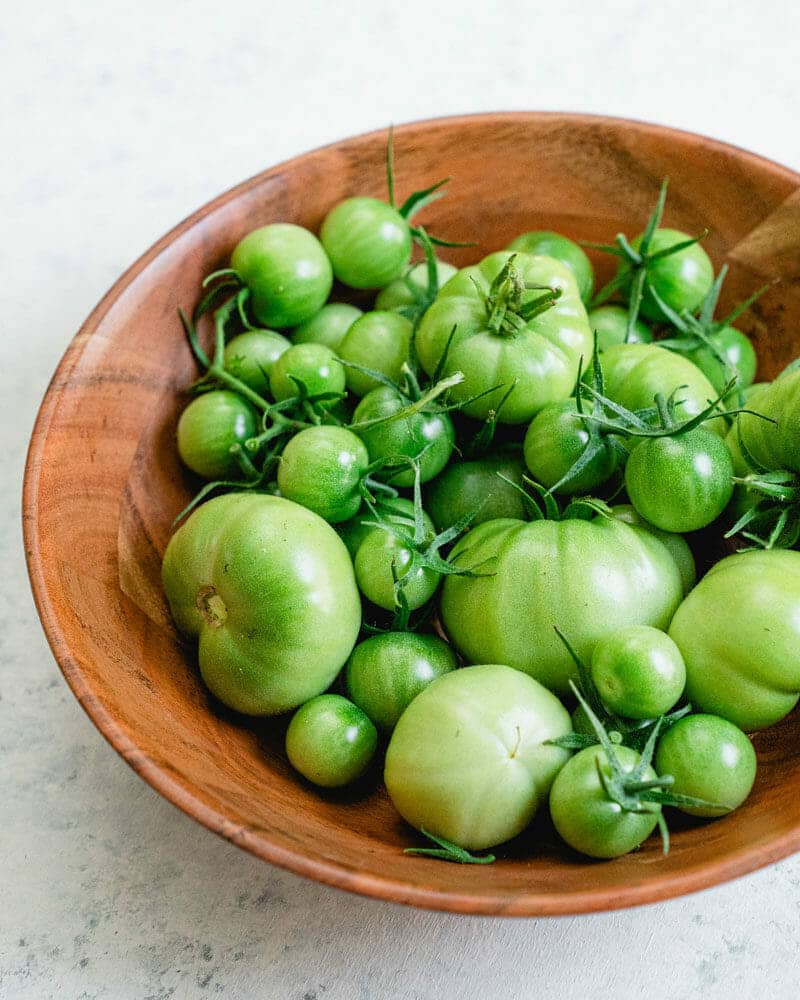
x: 555, y: 440
x: 387, y: 672
x: 377, y: 340
x: 209, y: 427
x: 427, y: 435
x: 400, y: 293
x: 739, y: 634
x: 775, y: 445
x: 328, y: 326
x: 330, y: 741
x: 251, y: 355
x: 589, y: 578
x: 396, y: 510
x: 475, y: 487
x: 738, y: 355
x: 376, y: 555
x: 584, y: 815
x: 680, y: 483
x: 268, y: 589
x: 567, y: 251
x: 682, y: 280
x: 287, y: 271
x: 322, y: 468
x: 638, y: 672
x: 676, y: 545
x: 469, y: 760
x: 610, y: 323
x: 315, y: 365
x: 368, y: 242
x: 710, y: 759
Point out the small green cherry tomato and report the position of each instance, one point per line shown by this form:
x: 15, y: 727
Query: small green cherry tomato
x: 584, y: 815
x: 315, y: 365
x: 287, y: 271
x: 328, y: 326
x: 208, y: 428
x: 321, y: 468
x: 639, y: 672
x: 396, y: 510
x: 680, y: 483
x: 377, y: 340
x: 330, y: 741
x: 385, y: 673
x: 373, y: 563
x: 398, y: 295
x: 710, y: 759
x: 567, y: 251
x: 251, y: 355
x: 476, y: 488
x: 368, y: 242
x: 555, y: 440
x: 738, y: 354
x: 610, y: 323
x: 682, y: 279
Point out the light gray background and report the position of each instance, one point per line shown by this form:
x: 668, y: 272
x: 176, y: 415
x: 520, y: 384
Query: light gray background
x: 117, y: 121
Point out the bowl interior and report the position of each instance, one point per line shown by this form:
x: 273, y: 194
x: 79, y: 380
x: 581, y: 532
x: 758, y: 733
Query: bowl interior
x: 104, y: 484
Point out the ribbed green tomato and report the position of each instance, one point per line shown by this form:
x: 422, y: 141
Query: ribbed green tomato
x: 540, y: 356
x: 589, y: 578
x: 469, y: 760
x: 610, y: 323
x: 682, y: 279
x: 209, y: 427
x: 774, y: 445
x: 398, y: 295
x: 475, y: 487
x: 315, y: 365
x: 328, y: 326
x: 548, y: 244
x: 251, y: 355
x: 638, y: 671
x: 555, y: 440
x: 377, y: 340
x: 322, y: 468
x: 676, y: 545
x: 268, y: 589
x: 368, y: 242
x: 330, y: 741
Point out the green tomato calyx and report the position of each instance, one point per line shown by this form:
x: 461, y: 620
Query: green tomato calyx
x: 773, y: 520
x: 509, y: 306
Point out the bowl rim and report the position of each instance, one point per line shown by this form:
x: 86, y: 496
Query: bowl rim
x: 736, y: 863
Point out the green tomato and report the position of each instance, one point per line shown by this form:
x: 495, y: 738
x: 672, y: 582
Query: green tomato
x: 396, y: 510
x: 398, y: 295
x: 739, y: 360
x: 315, y: 365
x: 584, y: 815
x: 376, y: 555
x: 739, y: 634
x: 377, y: 340
x: 427, y: 435
x: 287, y: 271
x: 776, y: 445
x: 589, y: 578
x: 251, y: 355
x: 322, y: 468
x: 368, y: 242
x: 710, y: 759
x: 330, y: 741
x: 610, y: 323
x: 680, y: 483
x: 676, y: 545
x: 469, y: 760
x: 556, y: 440
x: 209, y: 427
x: 555, y: 245
x: 476, y: 488
x: 682, y: 280
x: 328, y: 326
x: 540, y: 357
x: 639, y: 672
x: 387, y: 672
x: 268, y: 589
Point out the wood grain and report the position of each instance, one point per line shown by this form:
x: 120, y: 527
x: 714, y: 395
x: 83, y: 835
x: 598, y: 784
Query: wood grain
x: 103, y: 484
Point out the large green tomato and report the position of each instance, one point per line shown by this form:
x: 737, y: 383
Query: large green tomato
x: 540, y: 356
x: 468, y: 760
x: 268, y: 589
x: 739, y: 633
x: 774, y: 445
x: 588, y: 578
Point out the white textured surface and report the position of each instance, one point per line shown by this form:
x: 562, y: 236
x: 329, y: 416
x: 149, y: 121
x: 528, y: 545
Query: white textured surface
x: 117, y: 121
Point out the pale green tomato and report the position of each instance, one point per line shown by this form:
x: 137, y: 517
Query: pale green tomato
x: 328, y: 326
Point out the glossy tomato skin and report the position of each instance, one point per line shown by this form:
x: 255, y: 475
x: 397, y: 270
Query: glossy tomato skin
x: 328, y: 326
x: 680, y: 483
x: 427, y: 435
x: 330, y: 741
x: 379, y: 340
x: 709, y: 758
x: 555, y: 440
x: 739, y: 354
x: 682, y: 279
x: 268, y: 589
x: 398, y: 295
x: 676, y: 545
x: 373, y: 563
x: 549, y: 244
x: 398, y: 510
x: 386, y: 672
x: 586, y: 818
x: 541, y: 359
x: 639, y: 672
x: 315, y: 365
x: 589, y: 578
x: 468, y: 759
x: 287, y: 271
x: 251, y: 355
x: 739, y: 634
x: 322, y: 468
x: 611, y: 325
x: 368, y: 242
x: 207, y: 429
x: 475, y: 487
x: 774, y: 445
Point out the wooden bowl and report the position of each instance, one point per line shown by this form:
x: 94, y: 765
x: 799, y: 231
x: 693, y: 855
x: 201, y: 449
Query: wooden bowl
x: 103, y: 484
